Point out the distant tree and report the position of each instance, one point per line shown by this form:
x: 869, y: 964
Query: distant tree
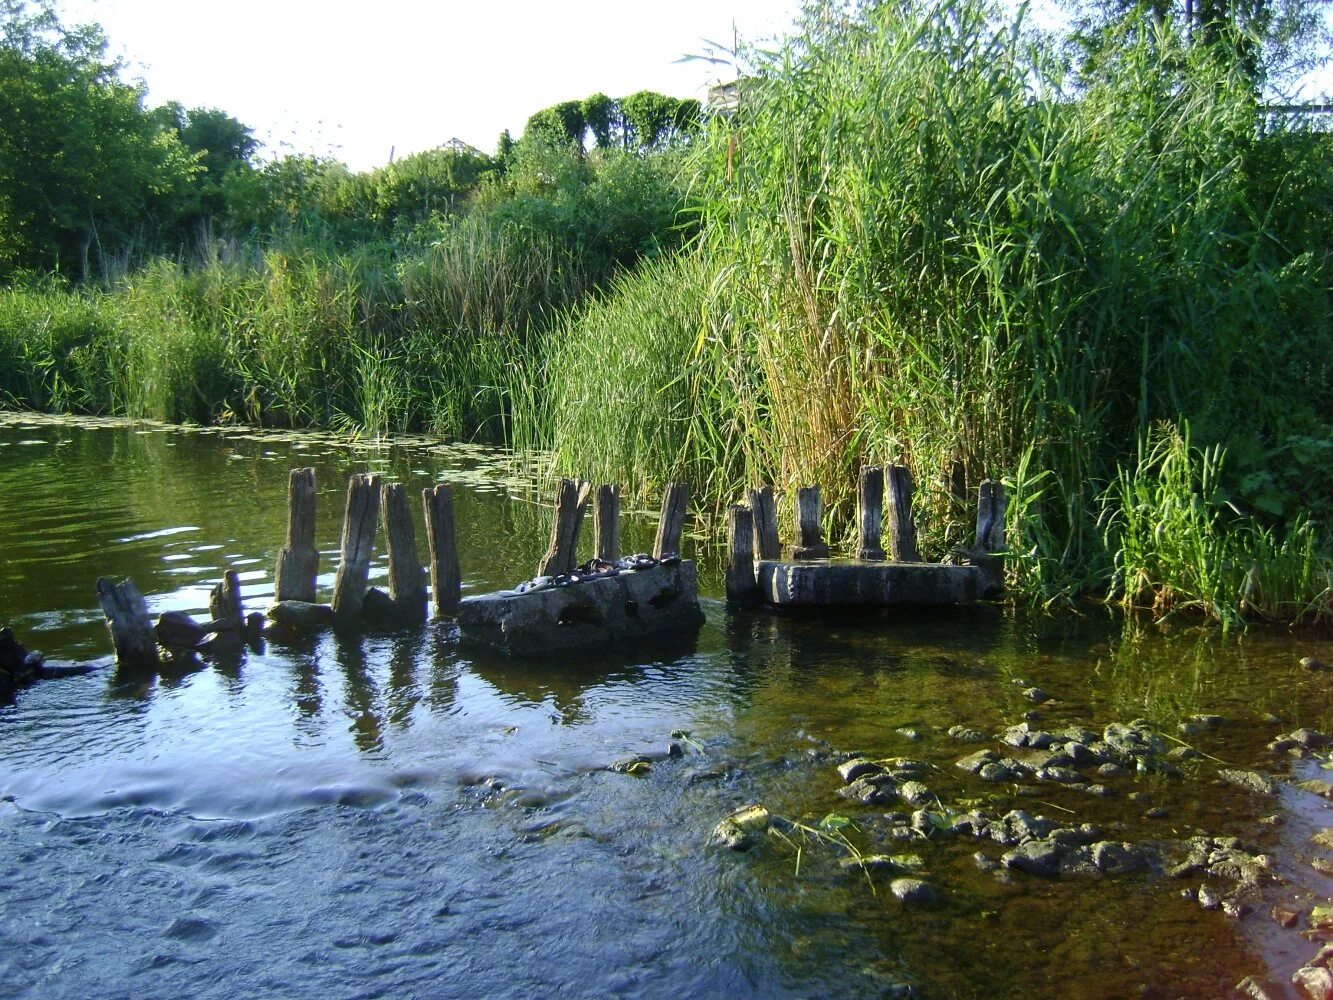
x: 602, y: 116
x: 650, y: 118
x: 504, y: 147
x: 1275, y: 41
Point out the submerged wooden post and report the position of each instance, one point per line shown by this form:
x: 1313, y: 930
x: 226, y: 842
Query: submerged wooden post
x: 407, y: 584
x: 224, y: 604
x: 870, y: 513
x: 446, y: 580
x: 809, y: 531
x: 131, y: 629
x: 991, y: 504
x: 765, y: 516
x: 902, y: 532
x: 675, y: 503
x: 298, y: 562
x: 606, y: 524
x: 741, y: 584
x: 358, y: 542
x: 571, y: 502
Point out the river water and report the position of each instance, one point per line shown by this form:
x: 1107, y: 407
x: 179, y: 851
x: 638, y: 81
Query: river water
x: 397, y: 815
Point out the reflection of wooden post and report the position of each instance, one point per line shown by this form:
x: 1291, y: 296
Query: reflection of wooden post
x: 407, y: 585
x: 902, y: 532
x: 571, y: 502
x: 991, y: 505
x: 870, y: 513
x: 765, y: 516
x: 358, y: 542
x: 675, y: 502
x: 741, y: 584
x: 606, y: 524
x: 224, y: 604
x: 445, y: 575
x: 131, y: 629
x: 809, y: 532
x: 298, y: 562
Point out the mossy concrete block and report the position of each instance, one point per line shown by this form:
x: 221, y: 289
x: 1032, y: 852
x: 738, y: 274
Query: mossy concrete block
x: 819, y: 584
x: 660, y: 600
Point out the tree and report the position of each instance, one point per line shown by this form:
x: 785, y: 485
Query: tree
x: 85, y: 170
x: 1275, y: 41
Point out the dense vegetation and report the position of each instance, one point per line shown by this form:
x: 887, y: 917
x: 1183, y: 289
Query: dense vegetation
x: 925, y: 236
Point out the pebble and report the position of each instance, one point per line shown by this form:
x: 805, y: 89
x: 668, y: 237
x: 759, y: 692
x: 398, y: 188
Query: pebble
x: 913, y: 890
x: 1157, y: 812
x: 1208, y: 898
x: 1036, y: 694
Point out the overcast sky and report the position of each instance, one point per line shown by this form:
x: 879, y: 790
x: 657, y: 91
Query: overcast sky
x: 356, y: 80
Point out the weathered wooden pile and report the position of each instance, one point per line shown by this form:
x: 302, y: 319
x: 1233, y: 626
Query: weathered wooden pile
x: 142, y: 644
x: 609, y: 599
x: 758, y: 573
x: 570, y: 609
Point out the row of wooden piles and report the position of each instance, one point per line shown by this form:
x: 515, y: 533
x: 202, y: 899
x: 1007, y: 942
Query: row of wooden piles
x: 752, y: 528
x: 371, y: 504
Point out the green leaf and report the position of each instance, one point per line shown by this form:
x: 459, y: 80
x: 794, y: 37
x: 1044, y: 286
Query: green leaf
x: 834, y: 822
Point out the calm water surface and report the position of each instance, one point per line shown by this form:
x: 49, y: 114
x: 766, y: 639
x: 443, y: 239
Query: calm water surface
x: 399, y: 816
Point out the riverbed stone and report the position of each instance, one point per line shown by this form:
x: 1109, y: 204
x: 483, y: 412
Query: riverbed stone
x: 913, y: 890
x: 1024, y: 735
x: 974, y: 762
x: 1250, y: 781
x: 1036, y: 857
x: 1314, y: 982
x: 1110, y: 770
x: 741, y: 829
x: 1117, y: 858
x: 1258, y: 988
x: 1209, y: 898
x: 1178, y: 755
x: 870, y: 790
x: 914, y: 793
x: 1063, y: 775
x: 858, y: 767
x: 964, y: 734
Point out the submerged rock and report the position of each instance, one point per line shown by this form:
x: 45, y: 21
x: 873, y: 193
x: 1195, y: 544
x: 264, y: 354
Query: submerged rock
x: 858, y: 767
x: 1250, y: 781
x: 966, y: 735
x: 741, y: 829
x: 875, y: 789
x: 1112, y: 858
x: 1314, y: 981
x: 1036, y: 857
x: 913, y: 890
x: 914, y: 793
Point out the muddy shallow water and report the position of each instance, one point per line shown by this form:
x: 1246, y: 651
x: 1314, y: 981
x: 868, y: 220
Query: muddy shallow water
x: 401, y: 816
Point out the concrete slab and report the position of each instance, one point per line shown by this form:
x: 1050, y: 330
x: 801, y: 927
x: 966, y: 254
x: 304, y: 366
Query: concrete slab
x: 608, y: 610
x: 882, y: 584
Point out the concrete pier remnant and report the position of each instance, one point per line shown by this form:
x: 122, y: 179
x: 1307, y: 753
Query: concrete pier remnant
x: 601, y: 611
x: 887, y: 584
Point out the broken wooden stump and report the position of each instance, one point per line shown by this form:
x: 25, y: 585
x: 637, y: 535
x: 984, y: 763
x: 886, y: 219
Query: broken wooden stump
x: 606, y: 524
x: 358, y: 542
x: 870, y: 513
x: 675, y: 504
x: 407, y: 580
x: 298, y: 561
x: 741, y: 585
x: 990, y: 546
x: 571, y: 502
x: 229, y: 623
x: 131, y: 629
x: 765, y: 516
x: 902, y: 531
x: 445, y: 575
x: 809, y: 528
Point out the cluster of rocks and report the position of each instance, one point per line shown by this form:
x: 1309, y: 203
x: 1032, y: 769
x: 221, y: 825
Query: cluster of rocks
x: 20, y: 667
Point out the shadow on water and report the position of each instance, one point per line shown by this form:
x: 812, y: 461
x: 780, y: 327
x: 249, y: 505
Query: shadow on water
x: 386, y: 813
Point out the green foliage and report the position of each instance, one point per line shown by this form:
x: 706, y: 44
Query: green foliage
x: 83, y: 165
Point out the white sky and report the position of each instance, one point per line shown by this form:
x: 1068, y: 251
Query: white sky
x: 357, y: 79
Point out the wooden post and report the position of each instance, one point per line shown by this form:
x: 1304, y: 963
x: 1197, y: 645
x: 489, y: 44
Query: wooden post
x: 902, y: 532
x: 358, y: 542
x: 956, y: 484
x: 571, y: 502
x: 298, y: 562
x: 675, y: 503
x: 809, y: 531
x: 445, y: 575
x: 870, y: 513
x: 606, y: 524
x: 407, y: 584
x: 991, y: 504
x: 741, y: 585
x: 765, y: 516
x: 131, y: 629
x: 224, y: 604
